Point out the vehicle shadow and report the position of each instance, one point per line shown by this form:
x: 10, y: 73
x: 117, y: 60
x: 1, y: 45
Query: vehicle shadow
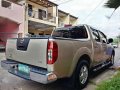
x: 58, y: 85
x: 63, y: 83
x: 22, y: 84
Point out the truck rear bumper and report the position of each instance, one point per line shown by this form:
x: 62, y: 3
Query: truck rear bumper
x: 35, y: 74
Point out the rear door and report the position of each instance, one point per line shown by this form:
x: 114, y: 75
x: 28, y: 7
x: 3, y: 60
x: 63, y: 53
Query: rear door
x: 28, y: 51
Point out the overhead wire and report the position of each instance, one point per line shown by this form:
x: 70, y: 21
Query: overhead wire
x: 93, y: 10
x: 65, y: 2
x: 62, y: 2
x: 57, y: 1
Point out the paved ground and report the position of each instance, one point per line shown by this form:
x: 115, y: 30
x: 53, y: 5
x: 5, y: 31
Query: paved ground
x: 11, y: 82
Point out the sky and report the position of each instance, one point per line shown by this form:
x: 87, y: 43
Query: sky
x: 94, y: 13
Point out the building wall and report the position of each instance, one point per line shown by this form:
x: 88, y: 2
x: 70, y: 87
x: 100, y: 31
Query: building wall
x: 50, y: 10
x: 11, y: 21
x: 13, y: 14
x: 73, y: 22
x: 8, y: 29
x: 62, y: 21
x: 36, y: 7
x: 67, y: 20
x: 42, y: 32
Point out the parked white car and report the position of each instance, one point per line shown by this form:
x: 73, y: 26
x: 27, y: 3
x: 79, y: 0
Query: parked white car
x: 115, y: 45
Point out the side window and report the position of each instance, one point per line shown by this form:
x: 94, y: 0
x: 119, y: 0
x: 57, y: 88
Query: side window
x: 96, y: 36
x: 30, y: 9
x: 103, y: 37
x: 6, y: 4
x: 79, y: 33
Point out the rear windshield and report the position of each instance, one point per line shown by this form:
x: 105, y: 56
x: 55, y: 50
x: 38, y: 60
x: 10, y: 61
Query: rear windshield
x: 73, y: 32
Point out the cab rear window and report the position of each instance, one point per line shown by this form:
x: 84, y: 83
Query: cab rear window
x: 74, y: 32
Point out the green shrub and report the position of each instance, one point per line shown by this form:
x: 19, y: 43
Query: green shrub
x: 112, y: 84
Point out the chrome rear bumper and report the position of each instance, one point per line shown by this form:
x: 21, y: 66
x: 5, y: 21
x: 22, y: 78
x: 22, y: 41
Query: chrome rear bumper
x: 36, y: 74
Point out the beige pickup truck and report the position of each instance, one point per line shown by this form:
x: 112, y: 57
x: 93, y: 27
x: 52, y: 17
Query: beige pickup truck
x: 69, y: 52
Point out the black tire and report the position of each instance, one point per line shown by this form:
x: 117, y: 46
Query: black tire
x: 79, y: 83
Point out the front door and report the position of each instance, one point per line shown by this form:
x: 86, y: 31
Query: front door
x: 97, y: 47
x: 105, y: 53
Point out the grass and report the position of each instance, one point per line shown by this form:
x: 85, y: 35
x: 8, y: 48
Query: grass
x: 112, y: 84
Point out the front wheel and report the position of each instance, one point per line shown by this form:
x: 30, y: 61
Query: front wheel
x: 112, y: 60
x: 82, y: 74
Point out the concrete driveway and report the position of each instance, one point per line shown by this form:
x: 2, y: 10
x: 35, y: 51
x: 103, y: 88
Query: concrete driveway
x: 11, y: 82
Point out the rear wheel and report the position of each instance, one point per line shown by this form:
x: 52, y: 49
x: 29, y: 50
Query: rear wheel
x: 82, y: 74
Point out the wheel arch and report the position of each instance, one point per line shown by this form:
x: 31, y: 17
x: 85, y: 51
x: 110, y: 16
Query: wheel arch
x: 73, y: 75
x: 85, y: 57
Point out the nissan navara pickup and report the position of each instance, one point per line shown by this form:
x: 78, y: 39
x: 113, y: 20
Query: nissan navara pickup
x: 68, y: 52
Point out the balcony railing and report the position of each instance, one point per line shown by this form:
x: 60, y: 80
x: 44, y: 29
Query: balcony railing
x: 45, y: 17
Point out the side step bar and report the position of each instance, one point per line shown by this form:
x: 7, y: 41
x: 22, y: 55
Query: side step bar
x: 98, y: 67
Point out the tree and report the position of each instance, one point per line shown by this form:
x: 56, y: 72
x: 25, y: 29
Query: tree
x: 113, y: 4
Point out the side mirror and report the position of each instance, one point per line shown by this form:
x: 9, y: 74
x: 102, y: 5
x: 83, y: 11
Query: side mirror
x: 110, y: 40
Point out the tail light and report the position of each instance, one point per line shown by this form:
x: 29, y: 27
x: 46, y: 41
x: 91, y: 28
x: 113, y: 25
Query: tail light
x: 52, y: 54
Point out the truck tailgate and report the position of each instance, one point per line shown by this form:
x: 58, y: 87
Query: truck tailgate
x: 29, y: 51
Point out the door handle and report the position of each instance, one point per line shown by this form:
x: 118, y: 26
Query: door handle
x: 96, y: 45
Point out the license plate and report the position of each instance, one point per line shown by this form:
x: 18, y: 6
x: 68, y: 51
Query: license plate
x: 24, y: 68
